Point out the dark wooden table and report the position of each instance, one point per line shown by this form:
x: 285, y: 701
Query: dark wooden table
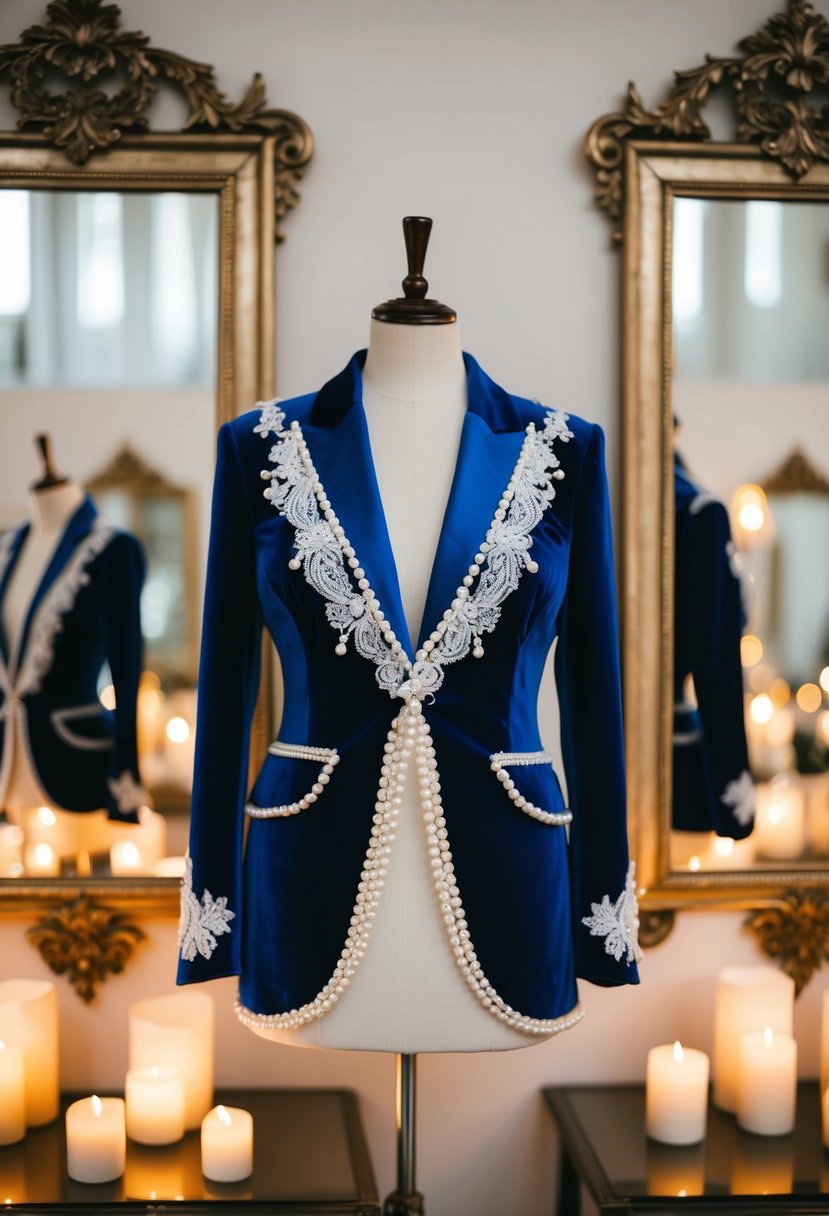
x: 310, y: 1158
x: 604, y: 1149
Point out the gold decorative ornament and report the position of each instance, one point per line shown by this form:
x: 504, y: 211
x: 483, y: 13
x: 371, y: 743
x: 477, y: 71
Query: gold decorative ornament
x: 83, y: 42
x: 776, y: 86
x: 795, y: 932
x: 796, y: 475
x: 86, y: 940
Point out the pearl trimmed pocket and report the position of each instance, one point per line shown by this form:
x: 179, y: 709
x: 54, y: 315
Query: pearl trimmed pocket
x: 502, y: 762
x: 328, y: 758
x: 87, y: 743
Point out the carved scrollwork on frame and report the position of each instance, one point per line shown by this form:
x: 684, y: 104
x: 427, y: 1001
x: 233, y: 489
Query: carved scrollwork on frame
x: 778, y: 85
x: 795, y: 932
x: 82, y: 42
x: 85, y: 940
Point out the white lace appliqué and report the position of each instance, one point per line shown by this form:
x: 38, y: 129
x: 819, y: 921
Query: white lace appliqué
x: 703, y: 499
x: 202, y: 921
x: 740, y: 795
x: 128, y: 794
x: 618, y: 923
x: 59, y: 599
x: 332, y: 568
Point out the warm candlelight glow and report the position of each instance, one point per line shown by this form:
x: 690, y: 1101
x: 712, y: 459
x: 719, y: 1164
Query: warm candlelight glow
x: 178, y: 730
x: 97, y: 1106
x: 224, y: 1117
x: 724, y: 846
x: 761, y: 708
x: 824, y: 679
x: 809, y: 698
x: 780, y: 692
x: 768, y: 1037
x: 46, y: 816
x: 694, y: 863
x: 679, y: 1054
x: 751, y: 650
x: 751, y: 507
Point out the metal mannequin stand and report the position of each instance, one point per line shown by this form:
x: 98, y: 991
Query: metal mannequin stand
x: 405, y: 1200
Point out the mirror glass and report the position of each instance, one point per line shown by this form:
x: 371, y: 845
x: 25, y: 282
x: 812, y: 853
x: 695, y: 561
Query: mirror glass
x: 108, y: 330
x: 750, y: 319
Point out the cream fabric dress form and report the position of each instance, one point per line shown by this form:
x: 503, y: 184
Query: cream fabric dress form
x: 408, y: 994
x: 71, y: 834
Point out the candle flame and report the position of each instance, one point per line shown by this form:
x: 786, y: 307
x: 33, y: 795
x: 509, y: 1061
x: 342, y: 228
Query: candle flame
x: 768, y: 1037
x: 223, y: 1116
x: 679, y: 1054
x: 97, y: 1106
x: 46, y: 816
x: 44, y: 854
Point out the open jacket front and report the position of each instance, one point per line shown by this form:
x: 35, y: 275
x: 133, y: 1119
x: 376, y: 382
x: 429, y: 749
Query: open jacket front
x: 299, y: 542
x: 84, y: 612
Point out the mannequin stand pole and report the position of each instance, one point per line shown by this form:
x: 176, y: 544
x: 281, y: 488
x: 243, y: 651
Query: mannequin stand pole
x: 405, y: 1200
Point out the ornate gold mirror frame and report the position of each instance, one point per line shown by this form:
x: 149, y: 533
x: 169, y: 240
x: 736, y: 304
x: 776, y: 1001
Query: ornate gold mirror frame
x: 83, y: 87
x: 643, y: 159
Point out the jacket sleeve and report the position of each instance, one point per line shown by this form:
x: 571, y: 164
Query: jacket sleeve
x: 125, y: 569
x: 715, y: 626
x: 602, y: 886
x: 211, y: 900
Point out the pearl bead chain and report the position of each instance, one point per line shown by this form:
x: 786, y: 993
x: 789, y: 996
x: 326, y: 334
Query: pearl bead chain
x: 500, y: 762
x: 298, y: 751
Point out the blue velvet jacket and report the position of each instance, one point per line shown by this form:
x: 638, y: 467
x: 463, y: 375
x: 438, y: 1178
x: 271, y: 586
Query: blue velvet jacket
x: 299, y: 543
x: 85, y: 611
x: 712, y: 786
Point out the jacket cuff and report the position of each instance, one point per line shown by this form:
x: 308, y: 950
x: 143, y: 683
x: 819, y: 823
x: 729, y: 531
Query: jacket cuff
x: 607, y: 942
x: 208, y: 936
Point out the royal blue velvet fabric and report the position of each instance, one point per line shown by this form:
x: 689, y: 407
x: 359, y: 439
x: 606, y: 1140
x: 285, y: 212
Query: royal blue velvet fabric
x: 76, y: 754
x: 709, y: 749
x: 525, y: 889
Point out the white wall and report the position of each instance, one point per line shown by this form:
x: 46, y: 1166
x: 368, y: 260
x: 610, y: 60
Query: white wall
x: 473, y: 113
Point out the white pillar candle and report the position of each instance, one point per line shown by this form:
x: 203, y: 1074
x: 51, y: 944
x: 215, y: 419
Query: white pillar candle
x: 177, y: 1030
x: 676, y: 1094
x: 227, y: 1144
x: 11, y: 850
x: 748, y: 1000
x: 96, y: 1139
x: 41, y: 861
x: 126, y: 858
x: 155, y: 1105
x: 780, y: 824
x: 170, y: 867
x: 12, y: 1094
x: 29, y: 1020
x: 767, y: 1083
x: 149, y: 835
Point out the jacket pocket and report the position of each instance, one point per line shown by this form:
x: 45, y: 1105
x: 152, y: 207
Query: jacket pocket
x: 295, y: 776
x: 95, y: 717
x: 503, y: 765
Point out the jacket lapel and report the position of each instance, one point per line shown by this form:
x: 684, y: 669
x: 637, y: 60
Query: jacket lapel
x: 12, y: 543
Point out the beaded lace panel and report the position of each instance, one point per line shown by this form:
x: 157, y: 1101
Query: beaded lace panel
x: 202, y: 920
x: 618, y: 922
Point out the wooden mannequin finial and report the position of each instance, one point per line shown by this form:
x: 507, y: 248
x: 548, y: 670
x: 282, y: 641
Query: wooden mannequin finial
x: 413, y: 308
x: 50, y: 478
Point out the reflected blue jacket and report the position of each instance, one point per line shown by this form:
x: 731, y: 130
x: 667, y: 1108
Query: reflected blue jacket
x: 85, y: 612
x: 299, y: 543
x: 712, y: 785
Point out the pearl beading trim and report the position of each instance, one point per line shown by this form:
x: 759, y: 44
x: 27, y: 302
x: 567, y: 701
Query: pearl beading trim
x: 409, y: 734
x: 326, y: 556
x: 298, y: 751
x: 500, y: 762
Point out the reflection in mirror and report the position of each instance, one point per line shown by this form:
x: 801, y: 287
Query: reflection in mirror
x: 108, y: 326
x: 750, y: 314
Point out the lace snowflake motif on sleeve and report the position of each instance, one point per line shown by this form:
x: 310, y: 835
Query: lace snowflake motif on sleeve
x: 331, y: 566
x: 618, y: 923
x: 128, y: 793
x: 202, y: 921
x: 740, y: 795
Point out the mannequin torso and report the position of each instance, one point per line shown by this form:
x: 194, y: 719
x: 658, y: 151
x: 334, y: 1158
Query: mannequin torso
x: 408, y: 995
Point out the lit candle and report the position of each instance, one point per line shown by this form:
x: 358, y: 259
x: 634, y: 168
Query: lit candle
x: 227, y: 1144
x: 155, y: 1105
x: 125, y: 858
x: 780, y: 824
x: 11, y: 850
x: 96, y: 1139
x: 676, y: 1094
x: 12, y: 1095
x: 748, y: 999
x: 149, y: 836
x: 41, y: 861
x: 767, y: 1083
x: 29, y: 1020
x: 177, y: 1030
x: 170, y: 867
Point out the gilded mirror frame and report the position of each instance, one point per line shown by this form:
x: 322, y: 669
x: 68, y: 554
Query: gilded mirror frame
x: 643, y: 158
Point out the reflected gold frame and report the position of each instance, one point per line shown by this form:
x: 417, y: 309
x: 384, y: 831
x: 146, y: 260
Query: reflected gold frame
x: 655, y: 173
x: 240, y: 170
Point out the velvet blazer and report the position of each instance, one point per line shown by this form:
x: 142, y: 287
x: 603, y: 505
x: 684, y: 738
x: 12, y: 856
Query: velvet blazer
x: 84, y: 613
x: 712, y: 785
x: 534, y: 889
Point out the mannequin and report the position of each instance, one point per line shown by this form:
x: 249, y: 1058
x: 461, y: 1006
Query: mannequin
x: 409, y: 996
x: 53, y: 501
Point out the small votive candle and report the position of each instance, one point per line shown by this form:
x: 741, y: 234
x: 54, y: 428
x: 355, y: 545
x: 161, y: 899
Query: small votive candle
x: 227, y: 1144
x: 155, y: 1105
x: 12, y: 1094
x: 125, y: 858
x: 767, y: 1083
x: 96, y: 1139
x: 41, y: 861
x: 676, y: 1094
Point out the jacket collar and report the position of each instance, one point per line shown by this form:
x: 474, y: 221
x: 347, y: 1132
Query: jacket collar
x: 338, y: 439
x: 77, y: 527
